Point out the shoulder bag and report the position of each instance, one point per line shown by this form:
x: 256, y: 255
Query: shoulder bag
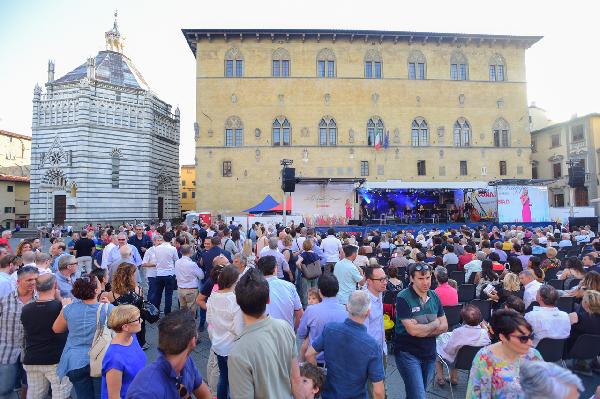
x: 312, y: 270
x: 100, y: 344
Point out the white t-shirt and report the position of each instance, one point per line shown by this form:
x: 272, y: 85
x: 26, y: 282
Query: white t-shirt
x: 331, y: 249
x: 150, y: 257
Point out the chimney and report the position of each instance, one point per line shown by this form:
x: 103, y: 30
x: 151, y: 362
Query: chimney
x: 91, y: 68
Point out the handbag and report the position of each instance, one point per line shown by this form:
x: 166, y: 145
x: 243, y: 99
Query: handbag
x: 102, y: 338
x: 149, y: 312
x: 312, y: 270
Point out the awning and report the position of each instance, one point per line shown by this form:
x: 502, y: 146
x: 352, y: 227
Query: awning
x: 424, y: 185
x: 288, y: 206
x: 266, y: 205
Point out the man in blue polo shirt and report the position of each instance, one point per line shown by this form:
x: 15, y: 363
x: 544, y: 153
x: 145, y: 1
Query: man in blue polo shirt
x: 420, y: 319
x: 173, y: 374
x: 352, y: 356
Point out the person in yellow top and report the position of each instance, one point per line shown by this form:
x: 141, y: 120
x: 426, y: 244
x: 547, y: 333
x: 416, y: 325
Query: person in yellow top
x: 507, y: 245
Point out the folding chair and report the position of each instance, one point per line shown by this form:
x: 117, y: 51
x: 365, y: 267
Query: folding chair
x: 451, y: 267
x: 552, y: 350
x: 566, y: 303
x: 457, y: 276
x: 551, y: 274
x: 485, y: 307
x: 573, y: 283
x: 558, y: 284
x: 587, y: 346
x: 453, y: 316
x: 466, y: 293
x: 463, y: 361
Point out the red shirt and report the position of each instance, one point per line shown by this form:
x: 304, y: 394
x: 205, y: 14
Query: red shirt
x: 497, y: 267
x: 447, y: 294
x: 464, y: 259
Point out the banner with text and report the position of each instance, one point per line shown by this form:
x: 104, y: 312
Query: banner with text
x: 324, y: 204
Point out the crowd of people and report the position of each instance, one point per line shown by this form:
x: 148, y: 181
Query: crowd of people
x: 293, y: 313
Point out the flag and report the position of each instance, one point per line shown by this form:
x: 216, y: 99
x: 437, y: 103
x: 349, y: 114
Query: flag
x: 386, y: 141
x: 377, y: 141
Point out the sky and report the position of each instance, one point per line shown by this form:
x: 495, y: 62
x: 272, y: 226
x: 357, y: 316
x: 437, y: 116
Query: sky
x: 562, y: 69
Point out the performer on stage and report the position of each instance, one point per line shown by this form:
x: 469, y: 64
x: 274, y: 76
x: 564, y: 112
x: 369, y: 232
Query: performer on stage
x: 468, y: 208
x: 526, y: 202
x: 407, y: 213
x: 435, y: 213
x: 421, y: 213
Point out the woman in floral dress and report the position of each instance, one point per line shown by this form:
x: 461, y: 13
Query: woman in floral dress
x: 495, y: 370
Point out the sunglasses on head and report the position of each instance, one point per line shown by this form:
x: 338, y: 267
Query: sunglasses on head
x: 422, y: 268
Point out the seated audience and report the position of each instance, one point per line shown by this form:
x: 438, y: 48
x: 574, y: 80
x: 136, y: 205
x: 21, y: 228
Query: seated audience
x: 531, y: 285
x: 547, y: 321
x: 474, y: 266
x: 586, y: 320
x: 449, y: 343
x: 448, y: 295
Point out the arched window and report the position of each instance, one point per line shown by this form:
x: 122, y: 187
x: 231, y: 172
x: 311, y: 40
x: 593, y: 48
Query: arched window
x: 282, y: 131
x: 459, y: 67
x: 462, y: 133
x: 281, y: 63
x: 327, y: 131
x: 116, y: 165
x: 326, y: 64
x: 234, y: 63
x: 416, y: 65
x: 375, y: 128
x: 419, y: 132
x: 501, y: 131
x: 373, y: 64
x: 497, y: 68
x: 234, y: 132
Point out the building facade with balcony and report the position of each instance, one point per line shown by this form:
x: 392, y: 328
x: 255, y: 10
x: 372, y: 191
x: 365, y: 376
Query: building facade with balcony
x: 105, y: 147
x: 14, y: 201
x: 350, y: 104
x: 554, y: 146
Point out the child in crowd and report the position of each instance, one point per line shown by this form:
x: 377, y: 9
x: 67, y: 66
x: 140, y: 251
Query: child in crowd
x: 312, y: 380
x: 313, y: 296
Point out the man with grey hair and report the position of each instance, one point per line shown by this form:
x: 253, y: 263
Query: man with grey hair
x: 116, y: 254
x: 28, y: 258
x: 349, y: 343
x: 42, y: 262
x: 240, y: 261
x: 531, y: 285
x: 474, y: 266
x: 282, y: 265
x: 542, y: 380
x: 124, y: 257
x: 64, y: 278
x: 43, y: 347
x: 547, y: 320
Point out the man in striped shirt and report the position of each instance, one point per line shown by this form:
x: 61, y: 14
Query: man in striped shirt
x: 11, y: 330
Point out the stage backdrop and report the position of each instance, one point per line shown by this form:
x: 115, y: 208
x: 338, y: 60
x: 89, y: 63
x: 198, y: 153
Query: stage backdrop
x: 523, y: 204
x: 324, y: 205
x: 485, y: 201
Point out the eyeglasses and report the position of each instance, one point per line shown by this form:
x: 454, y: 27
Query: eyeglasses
x: 379, y: 279
x: 524, y: 338
x: 139, y: 319
x: 121, y: 239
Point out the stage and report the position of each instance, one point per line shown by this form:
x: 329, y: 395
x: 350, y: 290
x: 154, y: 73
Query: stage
x: 422, y: 227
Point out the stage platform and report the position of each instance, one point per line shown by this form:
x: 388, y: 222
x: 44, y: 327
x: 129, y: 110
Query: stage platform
x: 418, y: 227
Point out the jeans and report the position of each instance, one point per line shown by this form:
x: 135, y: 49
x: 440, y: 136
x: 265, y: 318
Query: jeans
x: 152, y: 290
x: 11, y: 377
x: 415, y: 372
x: 86, y: 387
x: 223, y: 385
x: 202, y: 318
x: 166, y: 284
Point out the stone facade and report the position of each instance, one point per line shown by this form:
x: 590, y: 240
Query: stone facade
x: 15, y: 153
x: 374, y: 81
x: 578, y: 140
x: 105, y: 147
x: 188, y: 187
x: 14, y: 201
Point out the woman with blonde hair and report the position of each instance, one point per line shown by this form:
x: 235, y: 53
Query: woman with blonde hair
x: 125, y: 291
x: 248, y: 254
x: 585, y: 320
x: 124, y: 357
x: 510, y: 286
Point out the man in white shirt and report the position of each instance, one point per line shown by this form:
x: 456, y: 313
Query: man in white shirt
x: 284, y: 302
x: 527, y: 279
x: 566, y: 241
x: 188, y: 274
x: 332, y: 249
x: 149, y: 264
x: 107, y: 250
x: 282, y: 265
x: 547, y: 321
x: 166, y: 256
x: 28, y: 259
x: 376, y: 286
x: 42, y: 262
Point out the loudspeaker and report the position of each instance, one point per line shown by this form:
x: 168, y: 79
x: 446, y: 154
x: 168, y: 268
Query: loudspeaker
x: 288, y: 180
x: 576, y: 176
x: 584, y: 221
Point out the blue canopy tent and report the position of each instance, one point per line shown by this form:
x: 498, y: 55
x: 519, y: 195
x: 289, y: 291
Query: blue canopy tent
x: 265, y: 205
